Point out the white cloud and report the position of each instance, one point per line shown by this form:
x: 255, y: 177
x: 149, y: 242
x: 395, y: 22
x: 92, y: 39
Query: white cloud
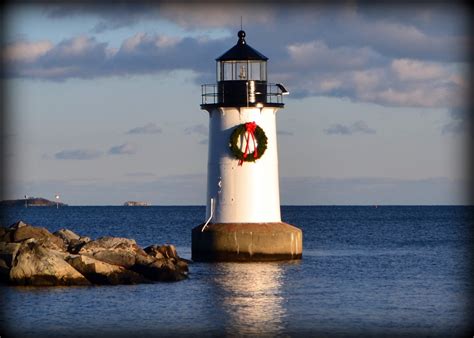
x: 199, y: 129
x: 413, y: 84
x: 198, y: 15
x: 363, y: 57
x: 76, y: 46
x: 328, y: 85
x: 163, y: 41
x: 140, y: 39
x: 25, y: 51
x: 424, y: 96
x: 132, y: 42
x: 123, y: 149
x: 402, y: 38
x: 285, y: 133
x: 78, y: 154
x: 365, y: 80
x: 149, y: 128
x: 85, y: 57
x: 413, y: 70
x: 318, y: 54
x: 458, y: 122
x: 358, y: 127
x: 51, y: 72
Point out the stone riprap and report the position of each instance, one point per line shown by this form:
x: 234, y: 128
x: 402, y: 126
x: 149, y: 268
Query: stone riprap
x: 32, y: 255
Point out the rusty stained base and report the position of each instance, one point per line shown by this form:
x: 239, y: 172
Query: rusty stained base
x: 246, y: 242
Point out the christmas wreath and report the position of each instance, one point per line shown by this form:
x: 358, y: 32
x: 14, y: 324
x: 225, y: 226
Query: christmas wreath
x: 248, y: 132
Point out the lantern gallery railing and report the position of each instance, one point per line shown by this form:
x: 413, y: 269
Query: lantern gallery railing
x: 210, y: 93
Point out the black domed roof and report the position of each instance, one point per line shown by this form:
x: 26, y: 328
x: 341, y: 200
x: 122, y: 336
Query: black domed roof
x: 242, y: 51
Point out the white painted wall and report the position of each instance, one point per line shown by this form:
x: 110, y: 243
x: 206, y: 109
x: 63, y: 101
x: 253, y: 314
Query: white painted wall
x: 248, y: 193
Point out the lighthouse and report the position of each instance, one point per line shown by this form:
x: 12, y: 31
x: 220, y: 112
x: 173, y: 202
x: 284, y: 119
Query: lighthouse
x: 243, y: 219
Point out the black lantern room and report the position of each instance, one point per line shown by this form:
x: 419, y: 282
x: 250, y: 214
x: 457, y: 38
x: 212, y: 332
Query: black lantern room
x: 242, y: 80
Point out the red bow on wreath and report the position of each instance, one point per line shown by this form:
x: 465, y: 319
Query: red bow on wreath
x: 250, y: 129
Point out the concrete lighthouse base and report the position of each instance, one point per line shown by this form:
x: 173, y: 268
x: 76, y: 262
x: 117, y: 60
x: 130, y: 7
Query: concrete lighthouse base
x: 246, y: 242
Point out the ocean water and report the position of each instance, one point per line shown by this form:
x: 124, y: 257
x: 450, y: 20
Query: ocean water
x: 386, y: 271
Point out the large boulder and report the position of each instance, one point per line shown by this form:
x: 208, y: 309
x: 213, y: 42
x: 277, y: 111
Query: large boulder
x: 142, y: 258
x: 66, y: 235
x: 33, y: 256
x: 75, y: 245
x: 162, y: 251
x: 99, y: 272
x: 162, y: 264
x: 163, y: 270
x: 17, y: 225
x: 72, y: 241
x: 8, y: 252
x: 182, y: 266
x: 21, y: 231
x: 35, y: 264
x: 154, y: 251
x: 169, y: 271
x: 6, y: 233
x: 112, y: 250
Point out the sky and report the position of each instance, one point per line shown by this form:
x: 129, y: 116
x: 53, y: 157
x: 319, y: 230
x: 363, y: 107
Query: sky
x: 103, y: 101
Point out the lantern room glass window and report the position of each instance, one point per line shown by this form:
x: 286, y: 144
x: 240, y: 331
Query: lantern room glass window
x: 241, y: 70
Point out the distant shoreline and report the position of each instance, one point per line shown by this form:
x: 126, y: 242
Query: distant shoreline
x: 31, y: 202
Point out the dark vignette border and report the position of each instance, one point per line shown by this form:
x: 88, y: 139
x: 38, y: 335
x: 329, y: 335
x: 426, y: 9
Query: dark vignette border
x: 5, y: 125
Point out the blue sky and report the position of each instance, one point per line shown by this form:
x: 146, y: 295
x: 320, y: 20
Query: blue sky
x: 103, y: 101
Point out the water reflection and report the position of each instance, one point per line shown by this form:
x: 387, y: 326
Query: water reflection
x: 250, y: 297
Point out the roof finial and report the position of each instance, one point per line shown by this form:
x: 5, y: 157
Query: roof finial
x: 241, y: 35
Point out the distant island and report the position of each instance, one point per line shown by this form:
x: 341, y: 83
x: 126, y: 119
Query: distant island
x: 31, y: 202
x: 135, y: 204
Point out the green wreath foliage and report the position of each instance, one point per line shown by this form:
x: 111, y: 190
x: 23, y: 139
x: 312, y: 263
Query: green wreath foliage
x: 260, y: 137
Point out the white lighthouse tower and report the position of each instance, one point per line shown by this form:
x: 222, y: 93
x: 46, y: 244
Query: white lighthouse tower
x: 243, y: 221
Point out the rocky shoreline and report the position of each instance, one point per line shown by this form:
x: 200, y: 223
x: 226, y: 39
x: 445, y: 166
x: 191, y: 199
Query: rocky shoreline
x: 31, y: 202
x: 31, y: 255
